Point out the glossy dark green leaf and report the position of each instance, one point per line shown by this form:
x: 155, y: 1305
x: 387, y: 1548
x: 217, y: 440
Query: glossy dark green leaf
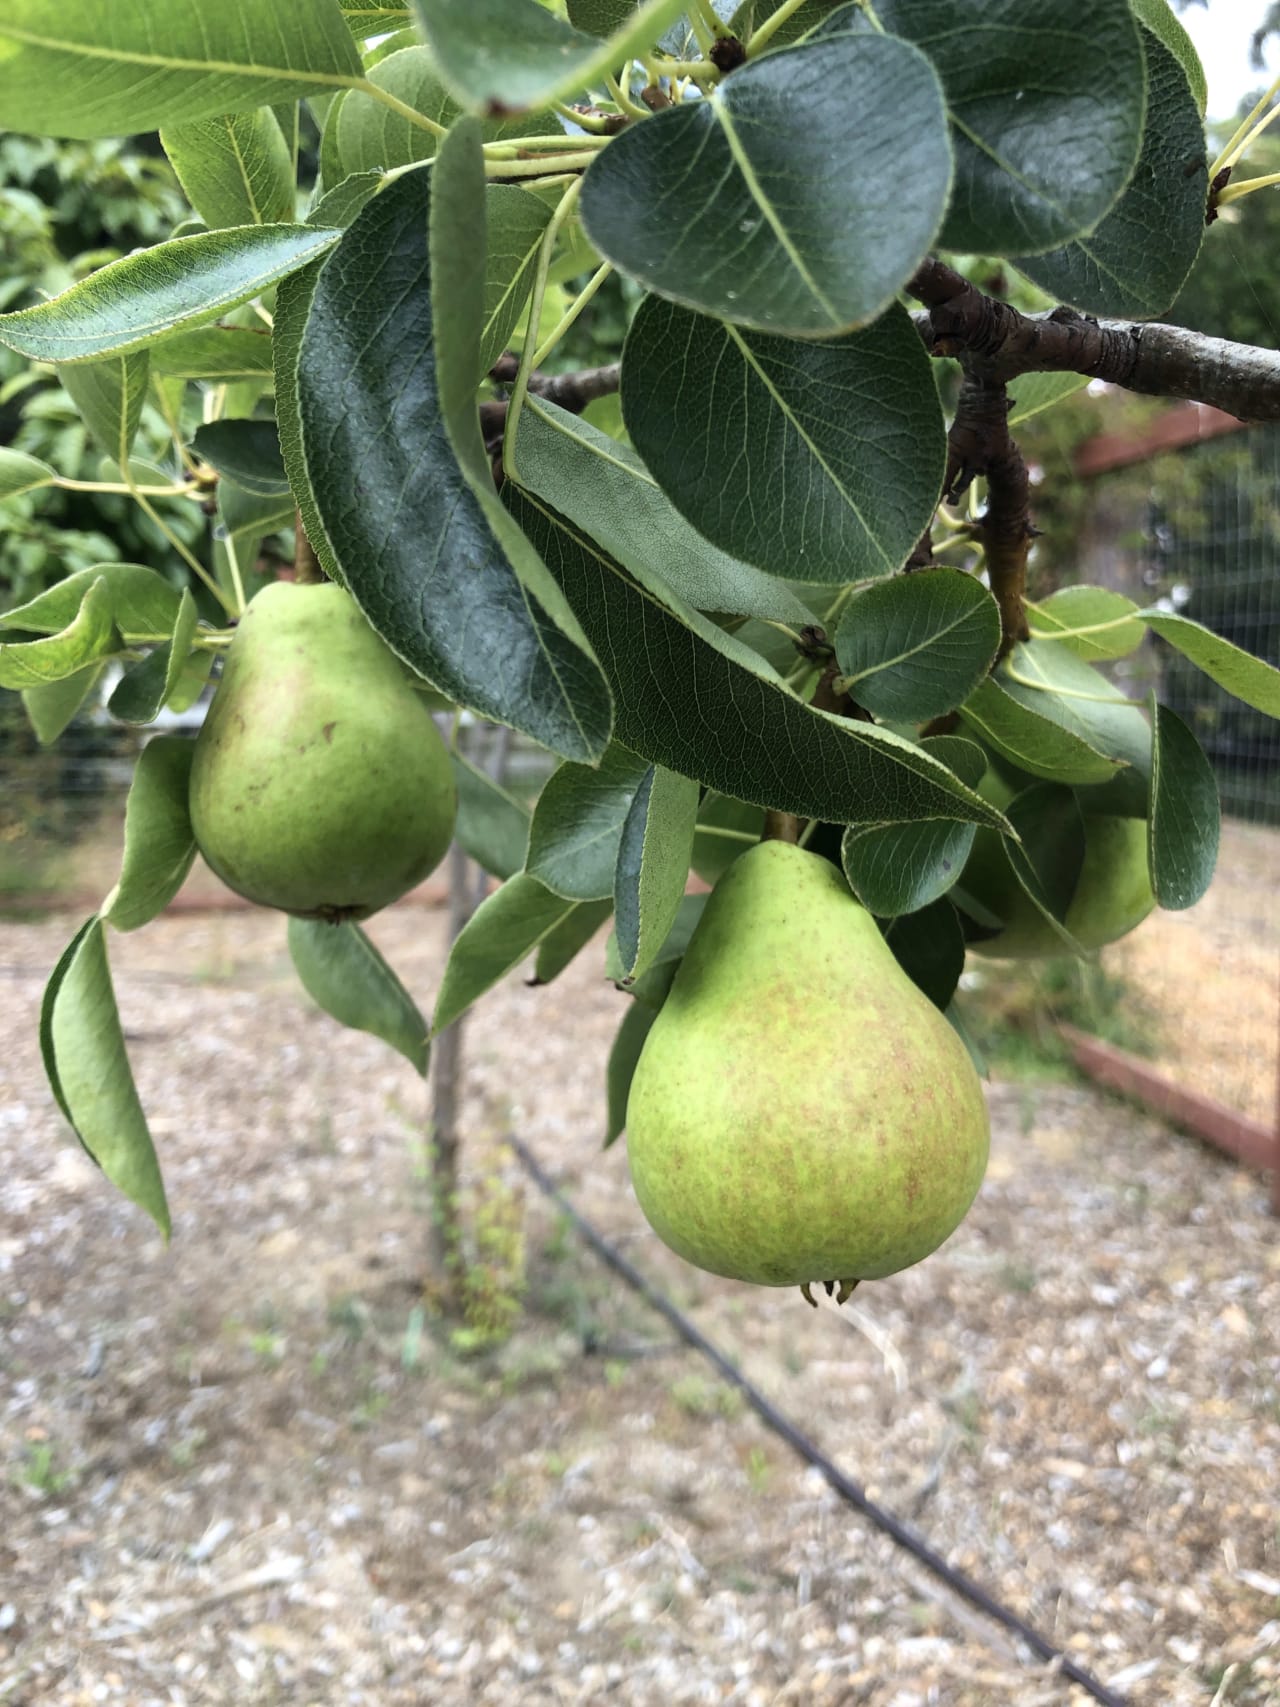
x: 492, y: 825
x: 1163, y: 22
x: 159, y: 846
x: 815, y: 461
x: 91, y: 634
x: 115, y: 67
x: 108, y: 396
x: 798, y: 198
x: 84, y: 1055
x: 653, y: 866
x: 1093, y: 622
x: 917, y: 645
x: 344, y: 973
x: 1185, y: 822
x: 624, y: 1058
x: 577, y: 825
x: 682, y: 704
x: 51, y: 705
x: 1250, y: 679
x: 562, y: 945
x: 503, y: 931
x: 247, y: 452
x: 899, y: 868
x: 606, y: 489
x: 1031, y: 741
x: 1046, y: 108
x: 1050, y: 857
x: 929, y: 947
x: 213, y: 352
x: 400, y: 482
x: 293, y: 304
x: 1137, y: 260
x: 235, y: 169
x: 503, y: 56
x: 1050, y: 680
x: 135, y: 301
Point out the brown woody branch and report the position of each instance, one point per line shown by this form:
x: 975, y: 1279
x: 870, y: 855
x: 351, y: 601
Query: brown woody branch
x: 1159, y: 361
x: 980, y: 443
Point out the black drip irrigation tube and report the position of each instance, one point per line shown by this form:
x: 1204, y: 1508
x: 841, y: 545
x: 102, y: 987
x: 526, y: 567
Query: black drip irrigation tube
x: 850, y: 1491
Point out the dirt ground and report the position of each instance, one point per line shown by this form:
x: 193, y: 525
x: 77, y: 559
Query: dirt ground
x: 247, y: 1470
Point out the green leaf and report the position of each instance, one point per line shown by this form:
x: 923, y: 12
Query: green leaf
x: 577, y: 825
x: 158, y: 844
x: 21, y: 473
x: 502, y: 56
x: 1049, y: 860
x: 798, y: 198
x: 51, y: 706
x: 607, y: 491
x: 900, y: 868
x: 1250, y: 679
x: 108, y: 396
x: 399, y: 476
x: 1117, y: 619
x: 686, y: 706
x: 1035, y: 743
x: 293, y: 304
x: 339, y: 206
x: 929, y: 947
x: 1137, y: 260
x: 653, y: 866
x: 366, y: 18
x: 503, y: 931
x: 516, y: 223
x: 90, y: 635
x: 916, y: 646
x: 568, y: 939
x: 714, y: 853
x: 1034, y: 392
x: 135, y: 301
x: 252, y: 515
x: 370, y: 136
x: 820, y: 461
x: 492, y: 826
x: 1164, y: 23
x: 213, y: 352
x: 1185, y: 821
x: 143, y: 602
x: 140, y: 693
x: 111, y: 69
x: 1046, y: 113
x: 88, y: 1069
x: 246, y: 451
x: 624, y: 1058
x: 1051, y: 681
x: 236, y: 169
x: 344, y: 974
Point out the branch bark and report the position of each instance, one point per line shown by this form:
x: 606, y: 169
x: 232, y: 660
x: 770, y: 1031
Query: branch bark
x: 1159, y: 361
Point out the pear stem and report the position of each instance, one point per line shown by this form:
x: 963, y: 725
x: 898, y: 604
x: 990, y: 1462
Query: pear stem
x: 306, y: 565
x: 781, y: 827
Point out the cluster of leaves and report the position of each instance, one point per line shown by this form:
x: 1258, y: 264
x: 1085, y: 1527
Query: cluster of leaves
x: 655, y: 613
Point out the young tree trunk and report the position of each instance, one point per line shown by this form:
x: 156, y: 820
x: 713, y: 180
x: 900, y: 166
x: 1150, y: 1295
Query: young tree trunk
x: 467, y: 886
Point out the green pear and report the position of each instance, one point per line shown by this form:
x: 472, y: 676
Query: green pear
x: 800, y: 1111
x: 1112, y: 896
x: 320, y: 784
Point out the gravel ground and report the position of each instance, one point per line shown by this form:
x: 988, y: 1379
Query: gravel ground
x: 235, y: 1471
